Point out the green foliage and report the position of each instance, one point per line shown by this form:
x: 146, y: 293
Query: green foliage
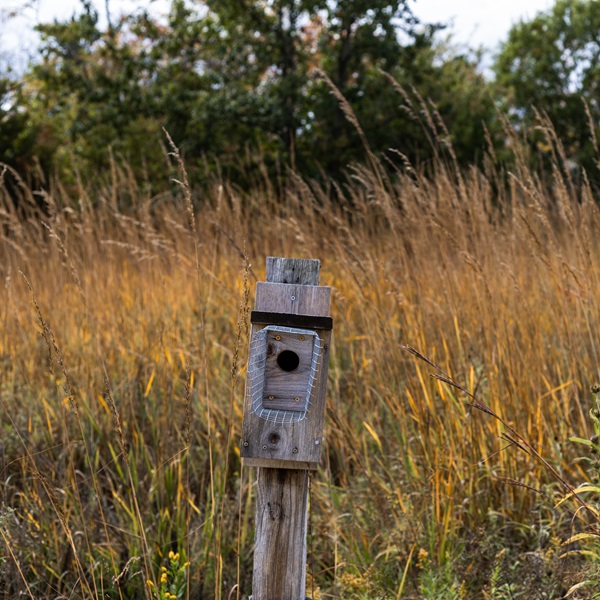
x: 433, y: 97
x: 91, y: 89
x: 550, y: 66
x: 17, y: 139
x: 356, y: 45
x: 439, y: 581
x: 589, y: 541
x: 172, y: 583
x: 355, y: 41
x: 236, y: 83
x: 229, y: 79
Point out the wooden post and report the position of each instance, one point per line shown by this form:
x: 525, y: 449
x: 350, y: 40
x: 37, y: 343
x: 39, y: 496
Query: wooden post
x: 282, y: 431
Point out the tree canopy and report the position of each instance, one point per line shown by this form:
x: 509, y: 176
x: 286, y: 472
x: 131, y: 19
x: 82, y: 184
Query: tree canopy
x: 241, y: 85
x: 549, y: 68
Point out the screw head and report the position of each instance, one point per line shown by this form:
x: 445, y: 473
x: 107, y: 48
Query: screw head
x: 271, y: 397
x: 246, y: 444
x: 297, y: 399
x: 278, y: 337
x: 264, y: 447
x: 317, y: 442
x: 292, y: 298
x: 295, y: 451
x: 301, y: 338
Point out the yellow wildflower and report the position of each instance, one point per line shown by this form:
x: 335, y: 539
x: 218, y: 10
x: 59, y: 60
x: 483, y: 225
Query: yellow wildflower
x: 423, y: 558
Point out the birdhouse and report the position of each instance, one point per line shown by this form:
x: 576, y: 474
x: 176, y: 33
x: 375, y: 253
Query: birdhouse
x: 287, y: 373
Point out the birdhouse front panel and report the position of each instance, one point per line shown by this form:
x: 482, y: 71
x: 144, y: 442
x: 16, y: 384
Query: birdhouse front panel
x: 284, y: 365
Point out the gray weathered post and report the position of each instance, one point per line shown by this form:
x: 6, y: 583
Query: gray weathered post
x: 283, y: 418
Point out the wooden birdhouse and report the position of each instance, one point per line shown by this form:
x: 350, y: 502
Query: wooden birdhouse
x: 287, y: 371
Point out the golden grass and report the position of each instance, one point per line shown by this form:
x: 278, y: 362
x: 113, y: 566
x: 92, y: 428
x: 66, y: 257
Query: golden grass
x: 122, y: 350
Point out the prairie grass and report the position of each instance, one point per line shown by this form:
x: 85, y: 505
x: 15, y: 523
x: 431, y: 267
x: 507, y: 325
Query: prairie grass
x: 123, y: 336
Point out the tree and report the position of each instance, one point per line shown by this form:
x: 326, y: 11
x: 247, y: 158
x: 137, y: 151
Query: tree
x: 218, y: 78
x: 550, y: 66
x: 268, y: 40
x: 358, y: 38
x: 230, y: 79
x: 17, y: 137
x: 91, y: 88
x: 438, y: 77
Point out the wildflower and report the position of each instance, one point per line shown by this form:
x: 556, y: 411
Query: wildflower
x: 423, y: 558
x: 149, y: 583
x: 163, y: 578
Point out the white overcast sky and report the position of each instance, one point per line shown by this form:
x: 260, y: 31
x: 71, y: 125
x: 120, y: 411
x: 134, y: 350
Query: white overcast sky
x: 473, y: 22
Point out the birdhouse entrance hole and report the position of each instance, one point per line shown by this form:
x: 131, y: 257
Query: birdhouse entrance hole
x: 288, y: 361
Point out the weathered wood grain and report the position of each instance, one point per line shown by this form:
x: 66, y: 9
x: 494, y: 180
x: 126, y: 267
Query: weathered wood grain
x: 304, y: 271
x: 281, y: 527
x: 287, y: 383
x: 293, y: 299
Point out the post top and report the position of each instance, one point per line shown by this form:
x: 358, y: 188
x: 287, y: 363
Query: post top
x: 303, y: 271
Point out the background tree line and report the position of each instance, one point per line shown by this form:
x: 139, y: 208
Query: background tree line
x: 244, y: 85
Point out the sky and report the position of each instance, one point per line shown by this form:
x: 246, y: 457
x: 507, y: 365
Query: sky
x: 477, y: 23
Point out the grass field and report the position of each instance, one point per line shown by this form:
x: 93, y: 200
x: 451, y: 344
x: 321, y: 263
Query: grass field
x: 123, y: 339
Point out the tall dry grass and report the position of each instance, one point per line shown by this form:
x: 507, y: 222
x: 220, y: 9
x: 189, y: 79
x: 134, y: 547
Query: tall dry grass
x: 122, y: 342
